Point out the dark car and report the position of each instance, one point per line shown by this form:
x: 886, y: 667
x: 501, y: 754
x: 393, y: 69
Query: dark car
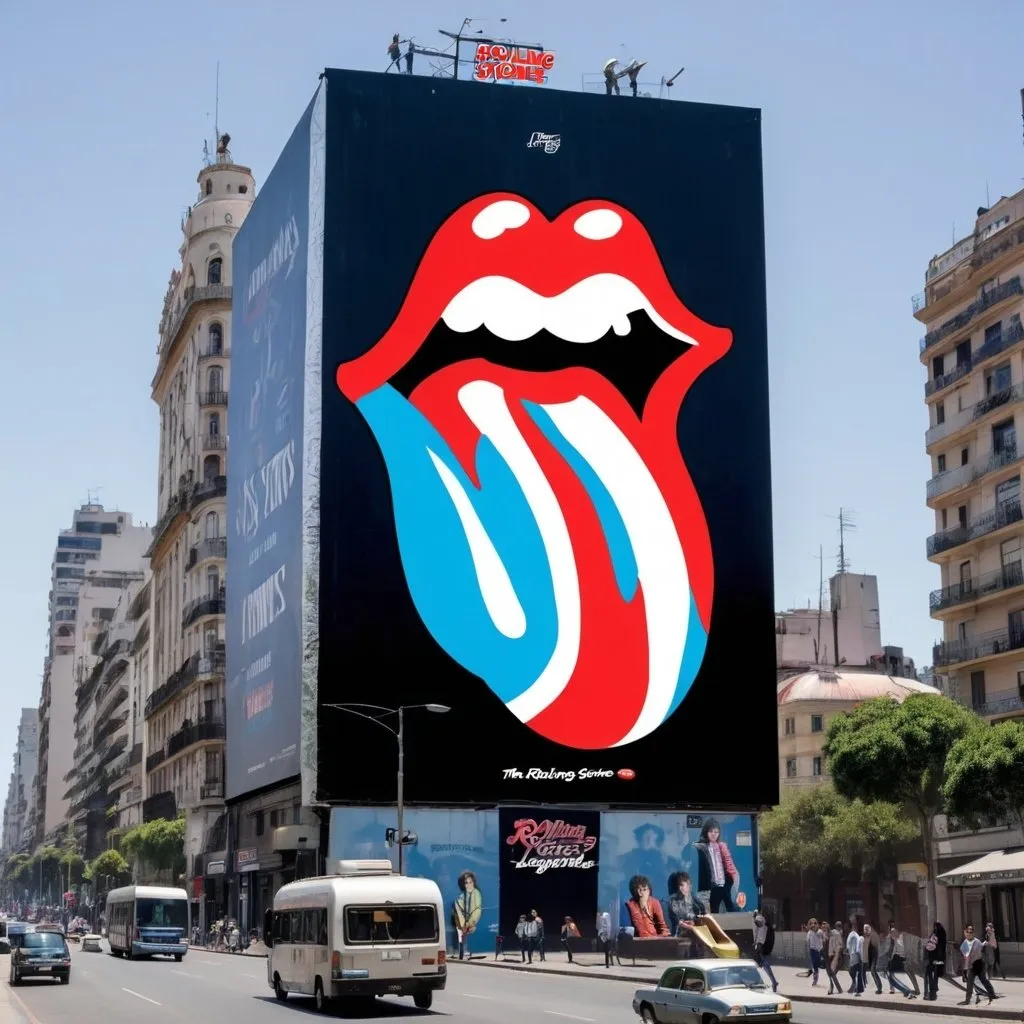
x: 41, y: 955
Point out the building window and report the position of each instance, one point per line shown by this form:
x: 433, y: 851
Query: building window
x: 216, y: 334
x: 212, y: 525
x: 213, y: 270
x: 941, y: 462
x: 215, y: 379
x: 817, y: 723
x: 816, y: 769
x: 940, y: 413
x: 977, y: 689
x: 790, y: 726
x: 212, y: 582
x: 214, y: 424
x: 790, y: 767
x: 209, y: 187
x: 211, y: 468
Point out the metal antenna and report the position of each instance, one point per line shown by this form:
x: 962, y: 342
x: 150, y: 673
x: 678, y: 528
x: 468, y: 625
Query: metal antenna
x: 216, y: 109
x: 93, y: 495
x: 846, y: 524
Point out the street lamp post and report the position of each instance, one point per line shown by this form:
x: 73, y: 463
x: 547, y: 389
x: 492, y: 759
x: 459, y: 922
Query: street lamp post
x: 399, y: 734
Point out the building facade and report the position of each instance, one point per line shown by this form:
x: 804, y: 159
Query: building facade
x: 183, y: 703
x: 973, y: 352
x: 19, y: 808
x: 107, y: 548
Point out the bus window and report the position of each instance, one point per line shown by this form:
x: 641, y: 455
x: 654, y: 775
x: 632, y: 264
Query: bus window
x: 390, y: 924
x: 158, y: 913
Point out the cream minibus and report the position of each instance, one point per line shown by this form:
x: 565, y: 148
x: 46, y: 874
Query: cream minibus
x: 360, y: 932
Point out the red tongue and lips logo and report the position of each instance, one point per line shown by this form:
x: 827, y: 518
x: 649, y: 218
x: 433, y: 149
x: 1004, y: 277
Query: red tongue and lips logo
x: 637, y: 374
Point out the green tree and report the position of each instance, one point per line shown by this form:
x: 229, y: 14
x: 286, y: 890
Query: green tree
x: 884, y: 750
x: 159, y: 844
x: 72, y: 868
x: 985, y: 774
x: 110, y: 864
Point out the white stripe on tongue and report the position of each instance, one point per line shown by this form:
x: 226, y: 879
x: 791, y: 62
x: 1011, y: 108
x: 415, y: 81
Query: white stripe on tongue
x: 661, y: 564
x: 484, y: 403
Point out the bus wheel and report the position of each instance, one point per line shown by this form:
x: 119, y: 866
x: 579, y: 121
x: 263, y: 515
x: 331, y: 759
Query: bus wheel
x: 280, y: 992
x: 423, y: 1000
x: 318, y: 996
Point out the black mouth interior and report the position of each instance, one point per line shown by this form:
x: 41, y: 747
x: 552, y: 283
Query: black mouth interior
x: 632, y: 363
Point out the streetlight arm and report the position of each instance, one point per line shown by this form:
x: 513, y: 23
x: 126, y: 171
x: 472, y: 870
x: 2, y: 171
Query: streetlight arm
x: 360, y: 714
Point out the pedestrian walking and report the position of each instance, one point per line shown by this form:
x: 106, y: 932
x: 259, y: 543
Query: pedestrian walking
x: 854, y: 951
x: 869, y: 959
x: 570, y: 931
x: 834, y: 957
x: 526, y: 931
x: 764, y: 943
x: 898, y: 962
x: 604, y: 934
x: 538, y: 941
x: 814, y: 949
x: 935, y: 961
x: 974, y: 964
x: 992, y: 952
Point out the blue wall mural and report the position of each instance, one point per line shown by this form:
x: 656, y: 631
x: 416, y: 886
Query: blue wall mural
x: 450, y: 842
x: 656, y: 845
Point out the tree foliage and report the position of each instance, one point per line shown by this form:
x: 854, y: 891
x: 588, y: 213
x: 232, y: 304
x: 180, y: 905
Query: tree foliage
x: 985, y: 774
x: 109, y: 862
x: 159, y: 844
x: 72, y: 868
x: 819, y: 831
x: 891, y: 751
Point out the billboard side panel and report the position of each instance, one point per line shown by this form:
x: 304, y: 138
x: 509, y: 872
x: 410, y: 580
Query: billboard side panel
x: 312, y: 409
x: 265, y: 502
x: 546, y: 497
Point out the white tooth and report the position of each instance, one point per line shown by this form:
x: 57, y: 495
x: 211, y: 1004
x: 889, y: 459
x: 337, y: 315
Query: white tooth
x: 485, y: 405
x: 581, y: 314
x: 493, y: 220
x: 660, y: 562
x: 597, y: 225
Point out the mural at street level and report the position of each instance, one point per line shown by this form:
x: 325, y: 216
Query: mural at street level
x: 531, y: 510
x: 549, y: 866
x: 266, y: 430
x: 457, y: 849
x: 657, y: 847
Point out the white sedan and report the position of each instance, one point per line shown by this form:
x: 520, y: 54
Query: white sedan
x: 91, y: 944
x: 710, y: 991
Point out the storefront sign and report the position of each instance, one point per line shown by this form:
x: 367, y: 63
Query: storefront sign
x: 499, y: 63
x: 551, y: 844
x: 247, y: 860
x: 215, y: 867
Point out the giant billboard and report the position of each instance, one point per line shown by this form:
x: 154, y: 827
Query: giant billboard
x: 266, y: 436
x: 545, y: 499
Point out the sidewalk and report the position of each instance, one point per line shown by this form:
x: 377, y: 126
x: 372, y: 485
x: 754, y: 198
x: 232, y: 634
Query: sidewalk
x: 256, y: 949
x: 1009, y: 1007
x: 12, y: 1010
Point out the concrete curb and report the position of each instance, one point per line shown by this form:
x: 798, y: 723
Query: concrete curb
x: 227, y: 952
x: 906, y: 1005
x: 19, y: 1006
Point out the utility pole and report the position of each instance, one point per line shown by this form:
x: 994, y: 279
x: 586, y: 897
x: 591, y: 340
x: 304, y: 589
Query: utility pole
x: 401, y: 790
x: 821, y: 584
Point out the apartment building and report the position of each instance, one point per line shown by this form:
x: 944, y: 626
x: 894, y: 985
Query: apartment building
x: 106, y: 549
x: 102, y: 706
x: 19, y: 807
x: 184, y: 701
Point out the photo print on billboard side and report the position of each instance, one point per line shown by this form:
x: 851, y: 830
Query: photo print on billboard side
x: 265, y: 419
x: 459, y: 850
x: 659, y: 847
x: 552, y: 541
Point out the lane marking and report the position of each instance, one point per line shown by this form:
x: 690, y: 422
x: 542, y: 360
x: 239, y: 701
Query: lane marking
x: 469, y: 995
x: 257, y: 976
x: 139, y: 995
x: 184, y: 975
x: 570, y: 1016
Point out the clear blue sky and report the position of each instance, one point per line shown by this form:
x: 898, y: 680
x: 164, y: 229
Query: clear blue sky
x: 882, y: 124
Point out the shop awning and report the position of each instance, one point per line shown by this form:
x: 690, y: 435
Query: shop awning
x: 1000, y: 866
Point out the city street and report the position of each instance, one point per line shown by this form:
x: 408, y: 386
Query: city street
x: 214, y: 986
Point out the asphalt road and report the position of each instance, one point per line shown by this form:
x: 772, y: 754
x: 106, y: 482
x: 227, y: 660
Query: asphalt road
x: 211, y: 986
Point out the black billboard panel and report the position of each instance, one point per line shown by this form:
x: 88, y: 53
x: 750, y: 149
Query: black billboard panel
x: 544, y: 456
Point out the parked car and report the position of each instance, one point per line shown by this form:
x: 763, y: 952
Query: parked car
x: 710, y: 991
x: 41, y: 954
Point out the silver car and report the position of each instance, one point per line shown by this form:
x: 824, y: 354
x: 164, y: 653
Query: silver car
x: 709, y: 991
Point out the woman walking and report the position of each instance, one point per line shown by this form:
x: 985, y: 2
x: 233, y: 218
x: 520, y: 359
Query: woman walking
x: 992, y: 951
x: 834, y: 958
x: 814, y: 948
x: 897, y: 962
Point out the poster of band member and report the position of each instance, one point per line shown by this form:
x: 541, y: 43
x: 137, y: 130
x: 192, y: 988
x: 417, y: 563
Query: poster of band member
x: 543, y: 500
x: 548, y: 873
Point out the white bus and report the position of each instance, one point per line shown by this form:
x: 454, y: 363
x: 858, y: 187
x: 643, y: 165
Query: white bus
x: 359, y: 933
x: 148, y: 920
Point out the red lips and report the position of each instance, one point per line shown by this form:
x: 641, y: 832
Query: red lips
x: 626, y: 774
x: 546, y: 256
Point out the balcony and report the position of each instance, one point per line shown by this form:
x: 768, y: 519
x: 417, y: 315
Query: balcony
x: 939, y: 383
x: 189, y: 735
x: 156, y: 759
x: 994, y: 247
x: 215, y: 352
x: 214, y: 442
x: 190, y: 297
x: 207, y: 398
x: 210, y: 663
x: 986, y: 301
x: 159, y: 805
x: 1006, y: 513
x: 216, y: 487
x: 211, y: 791
x: 1006, y: 396
x: 950, y: 480
x: 201, y: 607
x: 973, y: 590
x: 984, y: 645
x: 998, y: 343
x: 1004, y: 706
x: 212, y: 547
x: 108, y: 700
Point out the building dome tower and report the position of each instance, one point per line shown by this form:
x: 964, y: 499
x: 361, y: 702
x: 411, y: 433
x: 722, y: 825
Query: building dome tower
x: 184, y: 708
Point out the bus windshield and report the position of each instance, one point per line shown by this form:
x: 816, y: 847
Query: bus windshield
x: 390, y: 923
x: 158, y: 913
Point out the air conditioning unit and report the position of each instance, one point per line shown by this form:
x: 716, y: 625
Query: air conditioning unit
x: 359, y: 867
x: 296, y: 837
